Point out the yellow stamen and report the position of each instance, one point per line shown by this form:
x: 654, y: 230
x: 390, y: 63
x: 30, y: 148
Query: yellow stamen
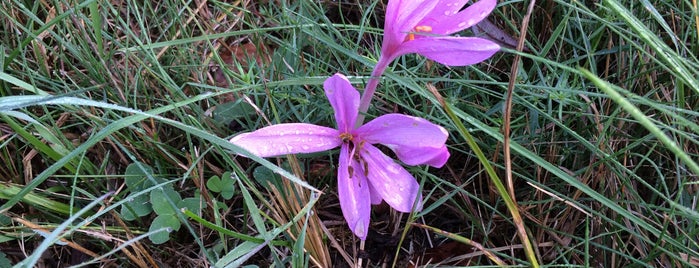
x: 419, y: 29
x: 423, y: 28
x: 346, y: 137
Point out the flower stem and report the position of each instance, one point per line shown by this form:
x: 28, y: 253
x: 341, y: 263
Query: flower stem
x: 370, y: 88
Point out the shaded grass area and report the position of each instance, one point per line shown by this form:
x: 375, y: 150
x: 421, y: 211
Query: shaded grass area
x: 115, y: 117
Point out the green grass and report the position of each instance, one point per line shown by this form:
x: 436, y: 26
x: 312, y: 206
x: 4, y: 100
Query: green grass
x: 115, y: 116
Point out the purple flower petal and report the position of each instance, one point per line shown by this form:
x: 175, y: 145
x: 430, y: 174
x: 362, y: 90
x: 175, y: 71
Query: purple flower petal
x: 291, y: 138
x: 375, y: 197
x: 452, y: 51
x: 415, y: 140
x: 445, y: 18
x: 435, y: 157
x: 391, y: 181
x: 401, y: 17
x: 353, y: 191
x: 344, y: 99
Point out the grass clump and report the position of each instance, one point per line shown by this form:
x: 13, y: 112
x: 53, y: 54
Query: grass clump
x: 115, y: 117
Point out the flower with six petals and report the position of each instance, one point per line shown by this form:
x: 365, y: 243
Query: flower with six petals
x: 423, y: 27
x: 365, y: 174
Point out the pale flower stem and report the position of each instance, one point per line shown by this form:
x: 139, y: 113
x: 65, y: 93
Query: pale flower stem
x: 368, y: 93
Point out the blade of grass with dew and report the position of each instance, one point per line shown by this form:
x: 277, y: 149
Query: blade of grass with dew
x: 57, y: 233
x: 214, y: 139
x: 23, y: 85
x: 97, y: 26
x: 103, y: 133
x: 8, y: 191
x: 31, y: 139
x: 674, y: 62
x: 642, y: 119
x: 211, y: 37
x: 298, y: 257
x: 127, y: 121
x: 519, y: 149
x: 238, y: 256
x: 44, y: 27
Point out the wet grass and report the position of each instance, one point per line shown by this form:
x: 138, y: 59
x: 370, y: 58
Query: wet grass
x: 115, y: 116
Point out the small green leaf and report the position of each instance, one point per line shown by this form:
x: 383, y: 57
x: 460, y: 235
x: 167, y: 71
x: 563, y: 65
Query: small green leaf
x: 227, y: 186
x: 163, y: 221
x: 214, y: 184
x: 193, y: 204
x: 136, y: 207
x: 161, y: 204
x: 135, y: 176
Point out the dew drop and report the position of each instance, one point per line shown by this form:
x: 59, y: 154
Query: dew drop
x: 305, y: 147
x: 391, y: 168
x: 401, y: 189
x: 462, y: 24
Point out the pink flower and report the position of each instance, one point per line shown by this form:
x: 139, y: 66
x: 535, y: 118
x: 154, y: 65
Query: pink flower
x: 423, y: 27
x: 365, y: 174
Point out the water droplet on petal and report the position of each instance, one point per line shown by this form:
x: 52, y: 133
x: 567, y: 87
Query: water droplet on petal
x: 392, y: 168
x: 462, y: 24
